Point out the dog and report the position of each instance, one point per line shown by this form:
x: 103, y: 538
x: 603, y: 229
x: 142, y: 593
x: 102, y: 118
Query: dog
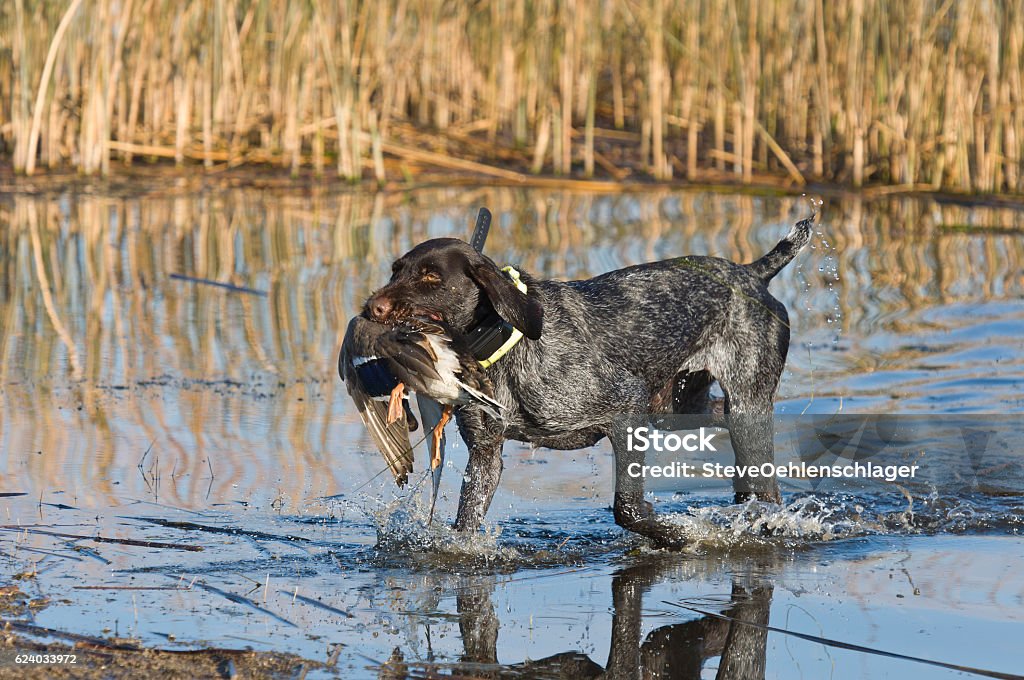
x: 583, y: 360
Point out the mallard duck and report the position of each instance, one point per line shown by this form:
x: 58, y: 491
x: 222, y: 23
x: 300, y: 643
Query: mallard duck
x: 381, y: 364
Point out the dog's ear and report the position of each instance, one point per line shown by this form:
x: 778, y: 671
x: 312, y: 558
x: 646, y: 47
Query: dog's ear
x: 519, y: 309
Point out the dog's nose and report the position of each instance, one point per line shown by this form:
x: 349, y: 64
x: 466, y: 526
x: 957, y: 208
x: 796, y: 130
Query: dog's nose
x: 379, y: 307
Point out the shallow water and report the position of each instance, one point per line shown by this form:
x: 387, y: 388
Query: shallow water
x: 140, y: 406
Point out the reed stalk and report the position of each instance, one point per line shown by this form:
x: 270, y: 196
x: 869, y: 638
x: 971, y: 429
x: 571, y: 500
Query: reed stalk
x: 866, y: 92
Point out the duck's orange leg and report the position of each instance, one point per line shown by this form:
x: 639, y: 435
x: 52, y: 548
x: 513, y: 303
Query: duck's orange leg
x: 395, y: 403
x: 435, y: 437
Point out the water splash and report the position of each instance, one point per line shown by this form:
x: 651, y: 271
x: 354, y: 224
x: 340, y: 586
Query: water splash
x: 405, y: 539
x: 820, y: 294
x: 756, y: 524
x: 816, y: 519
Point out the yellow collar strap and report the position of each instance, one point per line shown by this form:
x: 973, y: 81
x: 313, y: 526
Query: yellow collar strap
x: 517, y: 335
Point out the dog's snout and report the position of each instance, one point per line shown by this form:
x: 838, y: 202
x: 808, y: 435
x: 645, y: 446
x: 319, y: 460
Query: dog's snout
x: 379, y: 307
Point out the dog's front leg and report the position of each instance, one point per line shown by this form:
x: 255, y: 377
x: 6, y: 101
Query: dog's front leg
x: 482, y: 476
x: 484, y: 439
x: 478, y: 623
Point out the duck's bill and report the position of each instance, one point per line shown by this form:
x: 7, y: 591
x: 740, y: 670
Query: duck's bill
x: 435, y: 477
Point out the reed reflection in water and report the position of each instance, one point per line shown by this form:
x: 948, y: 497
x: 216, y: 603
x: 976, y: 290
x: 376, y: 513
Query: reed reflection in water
x: 104, y: 356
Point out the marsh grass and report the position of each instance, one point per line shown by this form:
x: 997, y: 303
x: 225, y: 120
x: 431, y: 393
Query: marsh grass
x: 917, y: 93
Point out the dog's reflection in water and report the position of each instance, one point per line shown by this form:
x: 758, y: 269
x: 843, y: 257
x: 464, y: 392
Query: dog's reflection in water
x: 674, y: 651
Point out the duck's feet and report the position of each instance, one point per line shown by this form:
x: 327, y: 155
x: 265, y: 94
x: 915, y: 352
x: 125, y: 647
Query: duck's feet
x: 436, y: 454
x: 395, y: 408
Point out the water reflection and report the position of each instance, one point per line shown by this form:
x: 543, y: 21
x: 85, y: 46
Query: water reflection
x: 680, y: 650
x: 103, y: 355
x: 734, y: 634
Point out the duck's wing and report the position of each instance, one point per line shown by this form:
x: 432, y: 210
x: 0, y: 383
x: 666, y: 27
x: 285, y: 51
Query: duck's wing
x: 435, y: 367
x: 411, y: 356
x: 357, y: 363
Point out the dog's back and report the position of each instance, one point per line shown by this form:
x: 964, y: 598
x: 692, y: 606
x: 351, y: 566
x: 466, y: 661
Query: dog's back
x: 651, y: 319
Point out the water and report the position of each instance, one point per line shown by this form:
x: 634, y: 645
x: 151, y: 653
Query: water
x: 132, y: 402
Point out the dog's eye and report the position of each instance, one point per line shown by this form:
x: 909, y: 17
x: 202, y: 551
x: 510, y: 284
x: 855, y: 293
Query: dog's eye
x: 430, y: 277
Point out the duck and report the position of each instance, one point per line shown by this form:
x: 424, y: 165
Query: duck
x: 382, y: 363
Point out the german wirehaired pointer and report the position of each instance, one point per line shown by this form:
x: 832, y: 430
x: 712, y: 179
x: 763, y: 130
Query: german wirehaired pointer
x: 572, y: 362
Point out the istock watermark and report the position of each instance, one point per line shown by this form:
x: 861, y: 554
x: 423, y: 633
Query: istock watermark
x: 676, y: 469
x: 652, y: 439
x: 830, y: 452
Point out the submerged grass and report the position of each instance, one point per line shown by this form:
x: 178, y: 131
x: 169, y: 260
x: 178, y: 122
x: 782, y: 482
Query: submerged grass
x: 923, y: 92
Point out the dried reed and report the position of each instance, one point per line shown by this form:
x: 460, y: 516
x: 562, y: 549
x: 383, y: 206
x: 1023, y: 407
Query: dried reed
x: 922, y: 92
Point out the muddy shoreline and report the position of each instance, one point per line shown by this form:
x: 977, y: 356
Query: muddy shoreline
x: 162, y: 180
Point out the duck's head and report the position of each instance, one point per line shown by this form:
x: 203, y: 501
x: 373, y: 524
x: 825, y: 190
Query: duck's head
x: 446, y: 280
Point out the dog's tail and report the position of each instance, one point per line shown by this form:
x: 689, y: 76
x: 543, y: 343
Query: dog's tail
x: 783, y: 253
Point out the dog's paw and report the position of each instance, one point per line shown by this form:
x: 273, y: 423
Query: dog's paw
x: 663, y: 535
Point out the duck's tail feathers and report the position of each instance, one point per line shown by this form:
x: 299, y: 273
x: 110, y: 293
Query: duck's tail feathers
x: 488, y: 404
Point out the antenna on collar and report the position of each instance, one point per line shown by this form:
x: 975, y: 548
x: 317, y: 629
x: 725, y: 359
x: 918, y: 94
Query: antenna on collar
x: 483, y: 225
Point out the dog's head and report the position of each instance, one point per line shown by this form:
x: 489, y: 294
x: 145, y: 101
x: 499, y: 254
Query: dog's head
x: 445, y: 279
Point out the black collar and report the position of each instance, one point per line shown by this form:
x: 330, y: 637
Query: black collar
x: 492, y: 337
x: 487, y: 336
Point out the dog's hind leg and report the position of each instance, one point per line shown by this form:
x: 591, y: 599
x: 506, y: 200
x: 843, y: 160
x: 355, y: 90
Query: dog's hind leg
x: 749, y: 383
x: 752, y: 433
x: 632, y: 512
